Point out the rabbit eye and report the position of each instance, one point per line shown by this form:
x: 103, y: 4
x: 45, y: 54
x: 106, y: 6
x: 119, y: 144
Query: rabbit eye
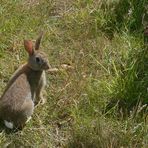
x: 37, y: 59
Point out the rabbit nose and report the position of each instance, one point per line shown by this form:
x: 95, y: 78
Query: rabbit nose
x: 47, y: 66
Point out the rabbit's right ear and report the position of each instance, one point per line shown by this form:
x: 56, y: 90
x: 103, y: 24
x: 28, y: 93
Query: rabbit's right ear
x: 29, y: 46
x: 38, y: 41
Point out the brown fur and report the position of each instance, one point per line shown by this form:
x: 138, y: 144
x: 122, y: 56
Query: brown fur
x: 16, y: 104
x: 17, y: 101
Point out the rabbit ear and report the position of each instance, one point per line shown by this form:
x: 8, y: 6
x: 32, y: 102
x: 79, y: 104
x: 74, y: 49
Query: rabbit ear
x: 38, y: 41
x: 28, y: 46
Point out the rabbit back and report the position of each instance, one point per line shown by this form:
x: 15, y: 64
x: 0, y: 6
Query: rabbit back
x: 16, y: 104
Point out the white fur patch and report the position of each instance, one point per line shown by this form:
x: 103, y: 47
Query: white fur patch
x: 44, y: 78
x: 8, y: 124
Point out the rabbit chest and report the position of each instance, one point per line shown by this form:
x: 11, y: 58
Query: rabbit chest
x: 35, y: 79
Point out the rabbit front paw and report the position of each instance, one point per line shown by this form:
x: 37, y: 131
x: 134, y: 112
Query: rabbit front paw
x: 40, y: 100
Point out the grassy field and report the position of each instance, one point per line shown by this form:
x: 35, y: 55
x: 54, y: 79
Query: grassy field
x: 101, y: 101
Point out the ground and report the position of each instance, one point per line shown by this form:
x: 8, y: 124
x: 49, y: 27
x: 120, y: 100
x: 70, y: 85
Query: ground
x: 100, y: 100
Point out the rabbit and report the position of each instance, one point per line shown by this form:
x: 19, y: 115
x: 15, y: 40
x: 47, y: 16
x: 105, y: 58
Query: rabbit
x: 24, y: 89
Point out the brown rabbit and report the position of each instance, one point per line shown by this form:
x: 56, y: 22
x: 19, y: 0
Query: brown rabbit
x: 25, y: 87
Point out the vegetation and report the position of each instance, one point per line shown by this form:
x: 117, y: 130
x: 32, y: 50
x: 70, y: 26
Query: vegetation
x: 101, y: 101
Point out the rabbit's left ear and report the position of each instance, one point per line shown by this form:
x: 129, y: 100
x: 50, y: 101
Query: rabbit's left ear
x: 38, y: 41
x: 29, y: 46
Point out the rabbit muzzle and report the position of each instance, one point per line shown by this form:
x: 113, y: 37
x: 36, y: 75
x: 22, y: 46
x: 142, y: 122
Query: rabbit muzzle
x: 46, y: 66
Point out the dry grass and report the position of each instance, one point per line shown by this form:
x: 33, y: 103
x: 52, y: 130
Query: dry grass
x: 100, y: 99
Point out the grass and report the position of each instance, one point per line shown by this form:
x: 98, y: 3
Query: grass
x: 102, y: 100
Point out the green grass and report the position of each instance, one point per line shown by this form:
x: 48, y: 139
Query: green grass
x: 100, y: 102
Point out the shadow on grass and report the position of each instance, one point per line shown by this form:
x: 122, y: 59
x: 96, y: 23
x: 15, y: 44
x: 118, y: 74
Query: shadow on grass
x: 125, y: 13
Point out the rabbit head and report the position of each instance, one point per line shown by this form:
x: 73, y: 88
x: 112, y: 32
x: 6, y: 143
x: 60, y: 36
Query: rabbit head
x: 37, y: 60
